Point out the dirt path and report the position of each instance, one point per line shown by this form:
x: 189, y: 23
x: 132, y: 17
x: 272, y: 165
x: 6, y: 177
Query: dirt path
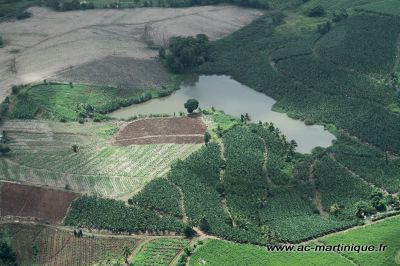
x: 317, y: 195
x: 397, y: 61
x: 332, y: 156
x: 181, y: 202
x: 264, y: 165
x: 221, y: 180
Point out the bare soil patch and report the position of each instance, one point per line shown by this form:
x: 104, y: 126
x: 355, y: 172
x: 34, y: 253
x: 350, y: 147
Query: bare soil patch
x: 34, y: 202
x: 178, y: 130
x: 51, y: 42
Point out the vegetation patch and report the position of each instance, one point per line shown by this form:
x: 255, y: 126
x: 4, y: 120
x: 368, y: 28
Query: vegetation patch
x: 41, y: 245
x: 66, y: 102
x: 159, y: 251
x: 113, y: 215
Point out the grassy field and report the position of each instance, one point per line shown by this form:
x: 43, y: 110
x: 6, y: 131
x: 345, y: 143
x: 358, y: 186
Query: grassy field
x: 62, y: 101
x: 215, y: 252
x: 159, y: 252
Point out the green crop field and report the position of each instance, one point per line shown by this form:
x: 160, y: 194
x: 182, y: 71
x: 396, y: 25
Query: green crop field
x: 329, y: 63
x: 215, y: 252
x: 387, y: 7
x: 46, y: 158
x: 159, y: 252
x: 70, y: 102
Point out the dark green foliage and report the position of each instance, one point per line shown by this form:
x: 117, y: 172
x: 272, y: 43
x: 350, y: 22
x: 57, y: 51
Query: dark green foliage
x: 207, y: 137
x: 317, y: 11
x: 7, y: 255
x: 363, y: 208
x: 322, y: 93
x: 113, y: 215
x: 183, y: 53
x: 4, y: 149
x: 337, y: 185
x: 159, y: 195
x: 340, y: 15
x: 1, y: 42
x: 191, y: 105
x: 10, y: 9
x: 189, y: 232
x: 369, y: 163
x: 24, y: 15
x: 357, y: 43
x: 25, y: 107
x: 324, y: 28
x: 61, y: 5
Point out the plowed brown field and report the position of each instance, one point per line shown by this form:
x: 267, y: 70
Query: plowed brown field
x: 161, y: 130
x: 34, y: 202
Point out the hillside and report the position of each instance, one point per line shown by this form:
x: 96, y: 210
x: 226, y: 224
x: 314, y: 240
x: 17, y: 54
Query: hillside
x: 216, y: 186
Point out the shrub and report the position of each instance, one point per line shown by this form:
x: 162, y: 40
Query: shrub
x: 24, y: 15
x: 317, y: 11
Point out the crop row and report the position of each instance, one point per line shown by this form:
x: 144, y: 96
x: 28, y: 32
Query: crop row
x: 113, y: 215
x: 324, y: 93
x: 160, y: 194
x: 46, y: 246
x: 159, y: 252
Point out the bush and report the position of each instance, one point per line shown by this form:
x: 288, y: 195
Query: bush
x: 324, y: 28
x: 317, y: 11
x: 24, y: 15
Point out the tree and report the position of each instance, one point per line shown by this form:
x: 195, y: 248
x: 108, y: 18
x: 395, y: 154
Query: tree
x: 75, y: 148
x: 189, y: 232
x: 317, y: 11
x: 204, y: 225
x: 191, y: 105
x: 207, y: 137
x: 363, y: 208
x: 247, y: 117
x: 334, y: 209
x: 126, y: 252
x: 7, y: 255
x: 4, y: 149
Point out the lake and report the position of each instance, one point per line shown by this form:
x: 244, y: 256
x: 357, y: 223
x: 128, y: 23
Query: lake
x: 234, y: 98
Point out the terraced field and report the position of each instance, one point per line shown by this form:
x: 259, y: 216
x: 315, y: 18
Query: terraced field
x: 45, y: 157
x: 49, y: 246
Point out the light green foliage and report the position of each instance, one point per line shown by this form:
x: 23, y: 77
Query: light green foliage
x: 66, y: 102
x: 384, y: 232
x: 219, y: 253
x: 99, y: 168
x: 159, y: 251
